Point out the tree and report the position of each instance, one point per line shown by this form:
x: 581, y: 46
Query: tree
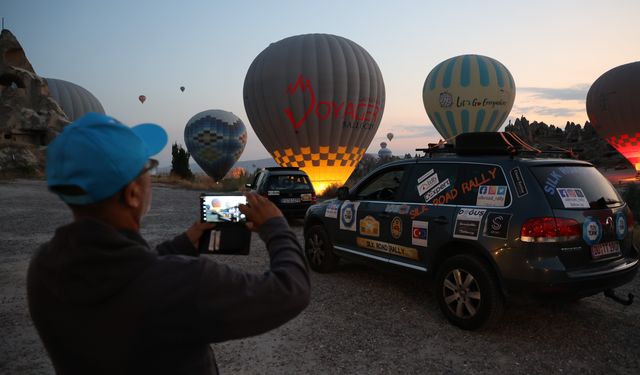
x: 631, y: 195
x: 180, y: 162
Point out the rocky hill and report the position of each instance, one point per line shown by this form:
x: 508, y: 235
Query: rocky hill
x: 582, y: 140
x: 29, y: 117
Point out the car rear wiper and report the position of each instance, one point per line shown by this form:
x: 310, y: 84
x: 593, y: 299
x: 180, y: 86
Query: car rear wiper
x: 604, y: 202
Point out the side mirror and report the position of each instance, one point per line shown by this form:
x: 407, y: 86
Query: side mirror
x: 343, y: 193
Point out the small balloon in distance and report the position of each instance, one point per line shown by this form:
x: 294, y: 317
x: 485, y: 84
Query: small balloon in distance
x: 142, y: 98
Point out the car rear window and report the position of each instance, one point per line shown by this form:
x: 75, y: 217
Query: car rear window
x: 576, y: 187
x: 288, y: 182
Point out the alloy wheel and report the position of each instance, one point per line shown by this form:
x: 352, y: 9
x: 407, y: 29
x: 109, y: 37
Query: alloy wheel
x: 461, y: 293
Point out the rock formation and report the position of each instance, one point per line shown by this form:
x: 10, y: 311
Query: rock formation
x: 29, y: 117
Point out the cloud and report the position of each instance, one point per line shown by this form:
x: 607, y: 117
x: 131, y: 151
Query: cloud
x: 577, y: 92
x: 414, y: 131
x: 528, y: 111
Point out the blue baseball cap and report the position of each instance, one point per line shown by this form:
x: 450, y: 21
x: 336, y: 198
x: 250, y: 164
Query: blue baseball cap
x: 98, y: 156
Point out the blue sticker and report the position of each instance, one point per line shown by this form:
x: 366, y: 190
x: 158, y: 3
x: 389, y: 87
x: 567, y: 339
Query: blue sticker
x: 621, y: 225
x: 591, y: 230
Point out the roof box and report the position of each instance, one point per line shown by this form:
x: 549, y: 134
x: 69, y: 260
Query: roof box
x: 491, y: 143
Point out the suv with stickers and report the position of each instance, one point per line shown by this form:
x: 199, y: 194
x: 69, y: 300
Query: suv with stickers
x: 488, y: 219
x: 288, y: 187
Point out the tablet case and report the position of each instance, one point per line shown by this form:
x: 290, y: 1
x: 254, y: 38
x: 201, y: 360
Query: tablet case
x: 227, y: 239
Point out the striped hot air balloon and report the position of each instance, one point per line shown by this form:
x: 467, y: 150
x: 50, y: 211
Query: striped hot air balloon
x: 74, y: 100
x: 315, y: 102
x: 215, y: 139
x: 468, y: 93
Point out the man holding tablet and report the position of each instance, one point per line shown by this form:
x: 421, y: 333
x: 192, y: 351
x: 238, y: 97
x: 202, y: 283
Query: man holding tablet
x: 104, y: 302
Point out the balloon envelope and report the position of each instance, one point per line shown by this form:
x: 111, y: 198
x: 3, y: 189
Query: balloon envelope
x: 142, y: 98
x: 614, y: 110
x: 182, y: 88
x: 315, y: 101
x: 215, y: 139
x: 384, y: 152
x: 468, y: 93
x: 74, y: 100
x: 389, y: 136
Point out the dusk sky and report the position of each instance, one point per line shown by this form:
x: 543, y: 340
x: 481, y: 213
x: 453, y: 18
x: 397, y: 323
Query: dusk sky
x: 119, y: 49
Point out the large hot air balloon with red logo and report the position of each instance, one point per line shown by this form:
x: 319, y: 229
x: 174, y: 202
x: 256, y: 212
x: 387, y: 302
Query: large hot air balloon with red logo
x: 613, y: 106
x: 468, y: 93
x: 315, y: 102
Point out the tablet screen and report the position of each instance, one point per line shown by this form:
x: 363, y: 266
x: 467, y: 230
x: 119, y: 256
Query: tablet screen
x: 222, y: 208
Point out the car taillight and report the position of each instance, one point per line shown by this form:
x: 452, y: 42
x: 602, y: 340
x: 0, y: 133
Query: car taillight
x: 629, y: 220
x: 314, y: 199
x: 550, y: 229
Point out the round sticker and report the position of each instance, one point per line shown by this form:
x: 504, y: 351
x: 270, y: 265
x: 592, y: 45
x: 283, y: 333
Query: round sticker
x: 347, y: 215
x: 591, y: 230
x: 621, y: 225
x: 396, y: 227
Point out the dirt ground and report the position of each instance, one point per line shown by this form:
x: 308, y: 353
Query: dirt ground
x: 360, y: 321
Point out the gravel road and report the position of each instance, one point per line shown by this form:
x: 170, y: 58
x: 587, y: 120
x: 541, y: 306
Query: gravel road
x: 361, y: 320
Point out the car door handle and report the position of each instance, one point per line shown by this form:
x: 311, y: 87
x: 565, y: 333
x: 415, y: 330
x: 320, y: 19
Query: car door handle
x: 440, y: 220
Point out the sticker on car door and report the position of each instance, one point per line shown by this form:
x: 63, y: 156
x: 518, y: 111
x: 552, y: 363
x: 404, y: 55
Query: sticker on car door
x: 468, y: 223
x: 348, y: 215
x: 369, y: 226
x: 420, y: 233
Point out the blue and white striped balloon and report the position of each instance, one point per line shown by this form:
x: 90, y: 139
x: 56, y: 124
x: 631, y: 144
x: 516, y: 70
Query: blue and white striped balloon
x: 468, y: 93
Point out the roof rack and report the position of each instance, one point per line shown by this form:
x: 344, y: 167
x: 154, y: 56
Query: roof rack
x: 491, y: 143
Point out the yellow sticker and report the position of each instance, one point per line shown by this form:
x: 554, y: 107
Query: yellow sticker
x: 370, y: 227
x: 389, y: 248
x: 396, y: 227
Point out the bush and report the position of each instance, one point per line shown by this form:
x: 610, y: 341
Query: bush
x: 631, y: 195
x: 330, y: 192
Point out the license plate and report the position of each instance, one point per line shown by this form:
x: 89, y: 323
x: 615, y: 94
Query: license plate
x: 305, y: 197
x: 289, y: 200
x: 603, y: 249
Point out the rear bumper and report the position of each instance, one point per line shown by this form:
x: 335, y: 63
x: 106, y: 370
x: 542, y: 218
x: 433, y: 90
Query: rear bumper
x: 580, y: 283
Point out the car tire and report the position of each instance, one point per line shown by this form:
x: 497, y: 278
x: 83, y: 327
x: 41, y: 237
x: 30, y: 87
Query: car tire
x: 319, y: 251
x: 468, y: 292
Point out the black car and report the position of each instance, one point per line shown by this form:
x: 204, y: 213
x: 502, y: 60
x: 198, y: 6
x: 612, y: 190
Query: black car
x: 489, y: 219
x: 288, y: 187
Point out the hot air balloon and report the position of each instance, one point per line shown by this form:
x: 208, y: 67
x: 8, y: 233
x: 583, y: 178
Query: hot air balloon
x: 142, y: 98
x: 389, y: 136
x: 74, y: 100
x: 315, y: 102
x: 182, y: 88
x: 384, y: 152
x: 612, y: 106
x: 215, y: 139
x: 468, y: 93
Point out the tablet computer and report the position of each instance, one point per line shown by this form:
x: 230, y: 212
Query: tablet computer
x: 231, y: 235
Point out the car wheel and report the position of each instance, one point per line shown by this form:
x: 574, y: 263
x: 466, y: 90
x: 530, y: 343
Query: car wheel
x: 319, y: 251
x: 468, y: 292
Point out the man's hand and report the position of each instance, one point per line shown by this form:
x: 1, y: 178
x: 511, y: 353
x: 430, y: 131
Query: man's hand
x: 258, y: 210
x: 195, y: 232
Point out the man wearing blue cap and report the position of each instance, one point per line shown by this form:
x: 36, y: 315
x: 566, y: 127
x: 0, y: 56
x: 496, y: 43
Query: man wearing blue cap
x: 104, y: 302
